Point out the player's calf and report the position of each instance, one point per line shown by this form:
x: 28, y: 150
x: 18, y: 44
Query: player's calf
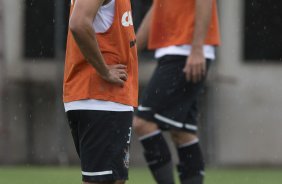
x: 191, y: 163
x: 158, y: 157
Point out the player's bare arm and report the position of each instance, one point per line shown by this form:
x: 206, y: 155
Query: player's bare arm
x: 195, y: 67
x: 143, y: 31
x: 80, y: 24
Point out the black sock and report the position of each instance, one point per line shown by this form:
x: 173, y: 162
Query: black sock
x: 158, y: 157
x: 191, y: 164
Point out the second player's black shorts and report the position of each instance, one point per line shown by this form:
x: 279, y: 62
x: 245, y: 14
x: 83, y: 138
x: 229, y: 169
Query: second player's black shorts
x: 169, y: 99
x: 102, y: 141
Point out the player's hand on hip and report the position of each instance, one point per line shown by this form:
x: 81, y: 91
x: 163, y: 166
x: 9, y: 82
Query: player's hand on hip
x: 116, y: 74
x: 195, y: 67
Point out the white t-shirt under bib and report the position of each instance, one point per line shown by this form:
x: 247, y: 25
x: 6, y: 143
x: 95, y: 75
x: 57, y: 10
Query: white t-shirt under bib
x: 104, y: 17
x: 184, y: 50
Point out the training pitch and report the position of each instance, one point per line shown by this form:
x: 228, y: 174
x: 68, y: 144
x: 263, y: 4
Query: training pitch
x: 71, y: 175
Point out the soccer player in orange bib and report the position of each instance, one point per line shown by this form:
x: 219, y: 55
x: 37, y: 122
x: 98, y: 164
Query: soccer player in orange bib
x: 184, y: 34
x: 101, y: 87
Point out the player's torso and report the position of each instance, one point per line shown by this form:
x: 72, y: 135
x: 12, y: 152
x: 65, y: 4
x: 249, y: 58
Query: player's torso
x: 173, y: 23
x: 117, y: 45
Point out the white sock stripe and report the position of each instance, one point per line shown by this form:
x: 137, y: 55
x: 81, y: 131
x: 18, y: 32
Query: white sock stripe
x: 149, y: 135
x: 189, y: 143
x: 96, y: 173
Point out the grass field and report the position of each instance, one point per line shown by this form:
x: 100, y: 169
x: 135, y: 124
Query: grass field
x: 57, y: 175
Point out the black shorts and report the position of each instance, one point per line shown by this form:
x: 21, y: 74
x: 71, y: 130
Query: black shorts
x: 169, y: 100
x: 102, y: 141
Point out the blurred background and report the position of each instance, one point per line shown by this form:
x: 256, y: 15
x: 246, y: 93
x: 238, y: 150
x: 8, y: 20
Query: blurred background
x: 241, y: 119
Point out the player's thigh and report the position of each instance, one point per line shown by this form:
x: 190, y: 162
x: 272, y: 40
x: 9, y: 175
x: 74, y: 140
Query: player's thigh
x: 164, y: 82
x: 160, y: 91
x: 104, y: 145
x: 73, y: 120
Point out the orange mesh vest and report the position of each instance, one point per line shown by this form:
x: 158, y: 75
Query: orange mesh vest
x: 117, y: 44
x: 173, y: 24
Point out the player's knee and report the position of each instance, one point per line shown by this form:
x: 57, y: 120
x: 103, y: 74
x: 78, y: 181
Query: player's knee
x: 137, y: 124
x: 180, y: 137
x: 143, y: 127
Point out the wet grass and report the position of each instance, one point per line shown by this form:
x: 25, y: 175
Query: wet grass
x: 71, y: 175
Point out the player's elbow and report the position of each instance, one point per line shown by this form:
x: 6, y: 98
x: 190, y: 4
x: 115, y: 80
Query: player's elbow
x: 75, y: 25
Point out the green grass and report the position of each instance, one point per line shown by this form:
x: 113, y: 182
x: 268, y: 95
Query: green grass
x: 57, y: 175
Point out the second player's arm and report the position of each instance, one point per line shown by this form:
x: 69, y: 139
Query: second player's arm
x: 195, y: 67
x: 80, y: 24
x: 142, y: 35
